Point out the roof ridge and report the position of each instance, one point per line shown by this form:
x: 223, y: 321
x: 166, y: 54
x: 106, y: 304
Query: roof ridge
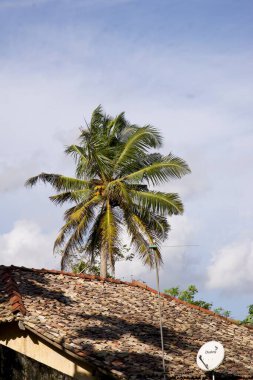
x: 71, y: 274
x: 11, y: 288
x: 134, y: 283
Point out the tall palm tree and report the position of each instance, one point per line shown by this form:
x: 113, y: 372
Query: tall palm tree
x: 114, y: 170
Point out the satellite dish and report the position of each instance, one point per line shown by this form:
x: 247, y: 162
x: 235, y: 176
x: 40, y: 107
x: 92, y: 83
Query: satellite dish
x: 210, y: 356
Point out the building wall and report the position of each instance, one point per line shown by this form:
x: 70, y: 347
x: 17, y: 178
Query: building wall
x: 30, y: 345
x: 15, y: 366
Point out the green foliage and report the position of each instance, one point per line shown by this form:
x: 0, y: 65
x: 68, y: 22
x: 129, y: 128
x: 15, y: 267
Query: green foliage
x: 114, y: 168
x: 86, y: 267
x: 79, y: 265
x: 222, y: 312
x: 188, y: 295
x: 249, y: 318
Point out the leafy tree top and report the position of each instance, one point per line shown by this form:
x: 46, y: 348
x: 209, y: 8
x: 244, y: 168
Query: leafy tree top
x: 188, y: 295
x: 249, y: 318
x: 115, y: 165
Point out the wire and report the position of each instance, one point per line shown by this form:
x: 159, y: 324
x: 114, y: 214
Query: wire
x: 185, y: 245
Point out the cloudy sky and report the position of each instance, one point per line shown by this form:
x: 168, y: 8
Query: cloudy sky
x: 185, y: 66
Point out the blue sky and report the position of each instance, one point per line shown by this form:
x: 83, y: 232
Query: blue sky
x: 183, y: 66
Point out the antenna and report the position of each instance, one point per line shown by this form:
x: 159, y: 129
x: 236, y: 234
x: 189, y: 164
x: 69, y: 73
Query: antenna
x: 153, y: 249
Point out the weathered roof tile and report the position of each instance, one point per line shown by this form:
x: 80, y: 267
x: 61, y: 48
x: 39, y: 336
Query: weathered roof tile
x: 115, y: 325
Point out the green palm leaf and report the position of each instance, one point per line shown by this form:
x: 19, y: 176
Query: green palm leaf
x: 77, y: 223
x: 71, y: 196
x: 80, y: 212
x: 94, y: 241
x: 142, y: 238
x: 158, y: 202
x: 80, y: 156
x: 167, y: 168
x: 58, y: 182
x: 139, y: 142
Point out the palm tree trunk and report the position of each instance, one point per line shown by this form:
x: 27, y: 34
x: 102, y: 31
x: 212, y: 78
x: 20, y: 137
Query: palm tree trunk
x: 103, y: 262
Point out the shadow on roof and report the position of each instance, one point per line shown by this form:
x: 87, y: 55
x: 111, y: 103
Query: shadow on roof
x: 37, y: 284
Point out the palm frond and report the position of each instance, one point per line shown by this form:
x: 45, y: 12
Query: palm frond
x: 97, y: 118
x: 119, y: 124
x: 160, y: 226
x: 76, y: 218
x: 158, y: 202
x: 94, y: 241
x: 59, y: 182
x: 147, y: 256
x: 65, y: 231
x: 166, y: 168
x: 71, y: 196
x: 76, y: 152
x: 156, y: 223
x: 138, y: 143
x: 76, y: 214
x: 72, y: 210
x: 80, y: 156
x: 76, y: 241
x: 76, y: 226
x: 142, y: 236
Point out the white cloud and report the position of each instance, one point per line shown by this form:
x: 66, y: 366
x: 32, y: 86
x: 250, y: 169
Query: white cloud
x: 28, y: 246
x: 231, y: 268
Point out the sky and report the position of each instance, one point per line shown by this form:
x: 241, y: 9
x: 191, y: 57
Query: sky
x: 184, y: 66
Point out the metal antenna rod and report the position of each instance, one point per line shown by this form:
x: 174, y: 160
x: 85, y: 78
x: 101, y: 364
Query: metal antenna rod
x: 153, y: 248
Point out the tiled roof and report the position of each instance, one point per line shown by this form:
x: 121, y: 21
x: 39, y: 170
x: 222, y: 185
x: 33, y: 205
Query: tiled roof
x: 115, y: 325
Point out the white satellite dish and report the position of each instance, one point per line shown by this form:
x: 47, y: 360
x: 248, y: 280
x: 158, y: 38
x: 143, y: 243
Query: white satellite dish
x: 210, y: 356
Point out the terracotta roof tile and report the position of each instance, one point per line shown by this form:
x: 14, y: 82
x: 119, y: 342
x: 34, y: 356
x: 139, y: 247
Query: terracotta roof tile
x: 115, y: 325
x: 10, y: 288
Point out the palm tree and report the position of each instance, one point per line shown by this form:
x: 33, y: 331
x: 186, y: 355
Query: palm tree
x: 111, y: 191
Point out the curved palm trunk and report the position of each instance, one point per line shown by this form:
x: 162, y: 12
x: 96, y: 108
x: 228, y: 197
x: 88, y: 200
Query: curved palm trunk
x: 103, y: 262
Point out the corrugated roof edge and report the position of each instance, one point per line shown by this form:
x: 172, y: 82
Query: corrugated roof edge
x: 134, y: 283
